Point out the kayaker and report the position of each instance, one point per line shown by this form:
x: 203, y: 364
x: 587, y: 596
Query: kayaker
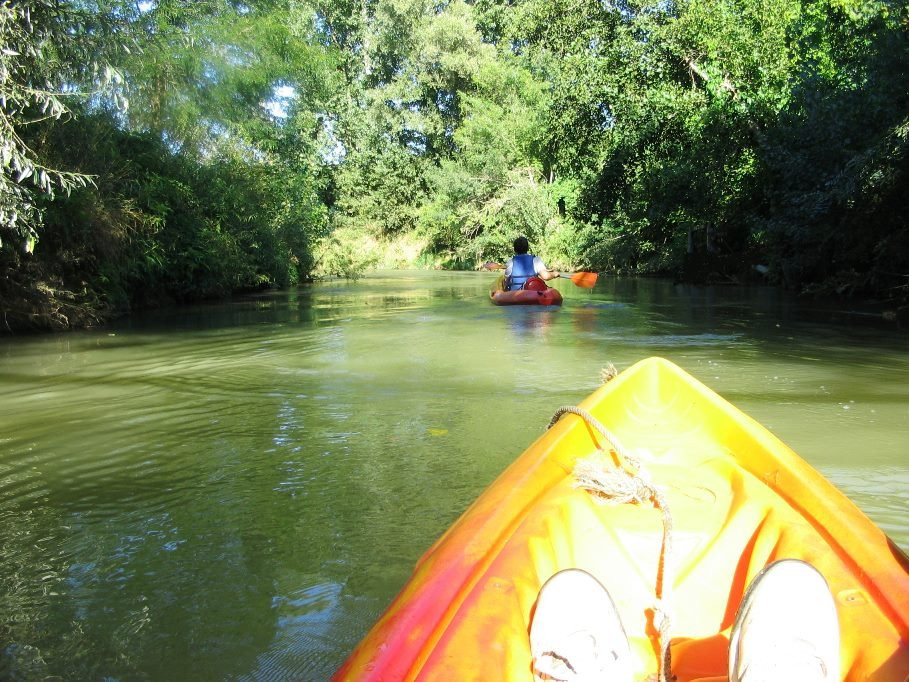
x: 786, y: 629
x: 522, y: 266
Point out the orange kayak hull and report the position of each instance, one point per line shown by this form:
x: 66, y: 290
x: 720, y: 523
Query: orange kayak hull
x: 739, y: 497
x: 549, y: 296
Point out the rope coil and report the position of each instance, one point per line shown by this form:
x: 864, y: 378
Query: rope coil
x: 630, y: 483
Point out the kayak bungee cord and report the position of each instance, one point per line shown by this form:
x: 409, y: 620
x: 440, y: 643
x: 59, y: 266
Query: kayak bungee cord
x: 630, y: 483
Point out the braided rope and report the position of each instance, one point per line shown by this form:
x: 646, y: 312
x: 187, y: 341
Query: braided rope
x: 630, y: 483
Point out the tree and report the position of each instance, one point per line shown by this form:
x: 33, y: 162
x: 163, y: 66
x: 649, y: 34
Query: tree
x: 837, y: 159
x: 40, y: 60
x: 202, y: 185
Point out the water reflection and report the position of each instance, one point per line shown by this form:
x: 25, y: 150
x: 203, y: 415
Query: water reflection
x: 529, y: 321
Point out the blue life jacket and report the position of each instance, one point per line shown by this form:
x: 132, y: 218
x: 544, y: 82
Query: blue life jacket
x: 521, y: 270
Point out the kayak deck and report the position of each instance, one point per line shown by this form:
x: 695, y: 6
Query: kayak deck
x: 739, y: 499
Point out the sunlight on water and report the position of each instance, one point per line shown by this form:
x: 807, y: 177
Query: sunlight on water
x: 238, y: 490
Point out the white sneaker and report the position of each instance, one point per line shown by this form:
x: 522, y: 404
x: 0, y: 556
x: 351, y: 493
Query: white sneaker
x: 576, y: 633
x: 786, y: 629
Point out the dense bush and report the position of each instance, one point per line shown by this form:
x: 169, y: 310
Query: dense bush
x: 157, y: 227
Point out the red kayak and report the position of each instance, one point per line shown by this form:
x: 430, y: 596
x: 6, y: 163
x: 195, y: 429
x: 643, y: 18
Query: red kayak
x: 538, y: 294
x: 526, y: 297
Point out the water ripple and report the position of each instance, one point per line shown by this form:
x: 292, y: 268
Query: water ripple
x: 880, y: 492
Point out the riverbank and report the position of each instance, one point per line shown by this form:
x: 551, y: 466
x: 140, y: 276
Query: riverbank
x: 38, y: 295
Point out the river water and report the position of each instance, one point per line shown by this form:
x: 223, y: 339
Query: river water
x: 236, y: 491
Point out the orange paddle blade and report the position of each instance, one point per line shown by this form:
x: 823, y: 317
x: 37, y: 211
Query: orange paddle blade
x: 585, y: 280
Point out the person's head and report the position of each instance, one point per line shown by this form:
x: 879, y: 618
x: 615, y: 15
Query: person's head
x: 521, y: 245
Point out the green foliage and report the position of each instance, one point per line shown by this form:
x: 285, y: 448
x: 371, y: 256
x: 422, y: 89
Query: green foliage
x: 34, y: 40
x: 205, y: 70
x: 480, y: 226
x: 346, y: 253
x: 492, y: 189
x: 200, y: 189
x: 838, y: 160
x: 235, y: 145
x: 158, y: 227
x: 381, y: 181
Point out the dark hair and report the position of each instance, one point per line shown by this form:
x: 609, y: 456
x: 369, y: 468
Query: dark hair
x: 521, y: 245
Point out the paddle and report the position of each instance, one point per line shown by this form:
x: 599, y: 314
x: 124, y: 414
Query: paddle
x: 585, y: 280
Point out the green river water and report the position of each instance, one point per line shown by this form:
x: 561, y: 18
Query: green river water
x: 237, y: 490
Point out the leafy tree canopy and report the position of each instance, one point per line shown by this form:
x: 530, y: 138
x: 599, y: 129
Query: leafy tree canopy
x: 694, y: 137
